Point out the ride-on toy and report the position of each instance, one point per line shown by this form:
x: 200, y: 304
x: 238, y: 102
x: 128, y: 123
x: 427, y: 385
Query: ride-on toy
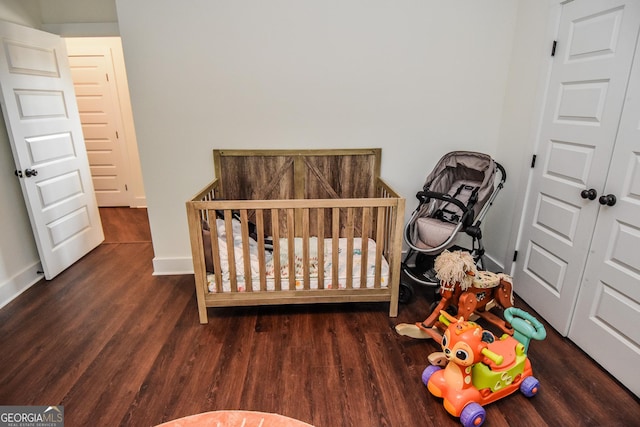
x: 480, y: 368
x: 468, y: 291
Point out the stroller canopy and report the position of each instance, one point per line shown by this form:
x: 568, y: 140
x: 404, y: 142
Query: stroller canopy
x: 463, y: 166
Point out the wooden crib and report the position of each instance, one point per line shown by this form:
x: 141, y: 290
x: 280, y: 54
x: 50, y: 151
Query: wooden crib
x: 296, y: 227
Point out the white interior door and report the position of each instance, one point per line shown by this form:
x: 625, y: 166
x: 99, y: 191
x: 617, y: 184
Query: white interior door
x: 607, y: 315
x: 93, y: 77
x: 40, y: 111
x: 596, y: 43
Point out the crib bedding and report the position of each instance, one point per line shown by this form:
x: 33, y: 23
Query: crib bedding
x: 313, y: 264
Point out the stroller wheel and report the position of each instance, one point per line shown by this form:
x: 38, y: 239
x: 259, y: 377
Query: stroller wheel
x: 406, y: 293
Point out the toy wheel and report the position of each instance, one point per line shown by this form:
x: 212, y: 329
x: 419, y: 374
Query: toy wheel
x: 428, y: 371
x: 473, y: 415
x: 405, y: 294
x: 530, y: 386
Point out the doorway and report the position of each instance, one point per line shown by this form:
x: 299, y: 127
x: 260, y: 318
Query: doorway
x: 100, y: 81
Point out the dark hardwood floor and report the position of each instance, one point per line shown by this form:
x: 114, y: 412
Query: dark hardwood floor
x: 118, y: 346
x: 124, y: 225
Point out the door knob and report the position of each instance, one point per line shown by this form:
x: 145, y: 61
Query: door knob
x: 30, y: 172
x: 608, y: 200
x: 590, y: 194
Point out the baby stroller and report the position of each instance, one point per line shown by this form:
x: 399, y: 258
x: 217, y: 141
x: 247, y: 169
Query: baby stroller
x: 455, y: 198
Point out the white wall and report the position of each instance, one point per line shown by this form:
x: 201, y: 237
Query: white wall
x: 417, y: 79
x: 77, y: 11
x: 530, y: 61
x: 22, y: 12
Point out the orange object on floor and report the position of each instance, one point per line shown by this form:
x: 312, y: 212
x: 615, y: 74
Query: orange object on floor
x: 235, y: 418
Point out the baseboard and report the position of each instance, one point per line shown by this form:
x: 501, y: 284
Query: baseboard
x: 19, y: 283
x: 138, y: 202
x: 492, y: 265
x: 172, y: 266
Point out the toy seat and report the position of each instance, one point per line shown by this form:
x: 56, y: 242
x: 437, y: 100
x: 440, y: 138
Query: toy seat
x: 505, y: 347
x: 485, y: 280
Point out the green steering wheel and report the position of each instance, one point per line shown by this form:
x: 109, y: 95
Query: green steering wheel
x: 525, y: 326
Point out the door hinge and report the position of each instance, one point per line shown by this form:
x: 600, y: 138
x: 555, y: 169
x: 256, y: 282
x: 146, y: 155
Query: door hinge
x: 126, y: 188
x: 553, y: 48
x: 515, y: 256
x: 117, y: 136
x: 533, y: 161
x: 107, y: 76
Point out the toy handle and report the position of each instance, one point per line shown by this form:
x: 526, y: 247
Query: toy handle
x: 525, y: 323
x: 494, y: 357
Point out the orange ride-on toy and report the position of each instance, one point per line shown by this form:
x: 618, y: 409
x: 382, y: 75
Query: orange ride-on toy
x: 481, y: 368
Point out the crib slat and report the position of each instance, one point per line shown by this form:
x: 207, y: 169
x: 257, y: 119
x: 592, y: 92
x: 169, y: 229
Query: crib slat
x: 228, y: 227
x: 349, y: 254
x: 335, y: 233
x: 306, y: 259
x: 275, y: 225
x: 388, y: 226
x: 291, y: 248
x: 320, y: 234
x: 379, y: 245
x: 246, y: 254
x: 364, y: 249
x: 215, y: 250
x: 261, y: 249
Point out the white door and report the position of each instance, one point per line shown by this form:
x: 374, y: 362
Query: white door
x: 590, y: 71
x: 94, y: 82
x: 607, y: 315
x: 40, y: 111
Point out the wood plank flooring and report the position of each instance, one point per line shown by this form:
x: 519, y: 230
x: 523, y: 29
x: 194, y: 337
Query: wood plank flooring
x: 118, y: 346
x: 124, y: 225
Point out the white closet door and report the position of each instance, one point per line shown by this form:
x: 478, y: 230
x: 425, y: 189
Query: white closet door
x: 607, y: 315
x: 596, y: 43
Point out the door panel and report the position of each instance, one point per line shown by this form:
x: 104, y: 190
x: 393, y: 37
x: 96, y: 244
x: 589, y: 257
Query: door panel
x: 596, y: 43
x: 97, y: 103
x: 607, y: 314
x: 605, y: 25
x: 42, y: 121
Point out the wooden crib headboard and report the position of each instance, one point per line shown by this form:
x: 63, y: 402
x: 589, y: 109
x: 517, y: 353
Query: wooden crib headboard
x: 297, y: 174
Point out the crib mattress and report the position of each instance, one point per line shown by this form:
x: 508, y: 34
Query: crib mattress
x: 283, y: 272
